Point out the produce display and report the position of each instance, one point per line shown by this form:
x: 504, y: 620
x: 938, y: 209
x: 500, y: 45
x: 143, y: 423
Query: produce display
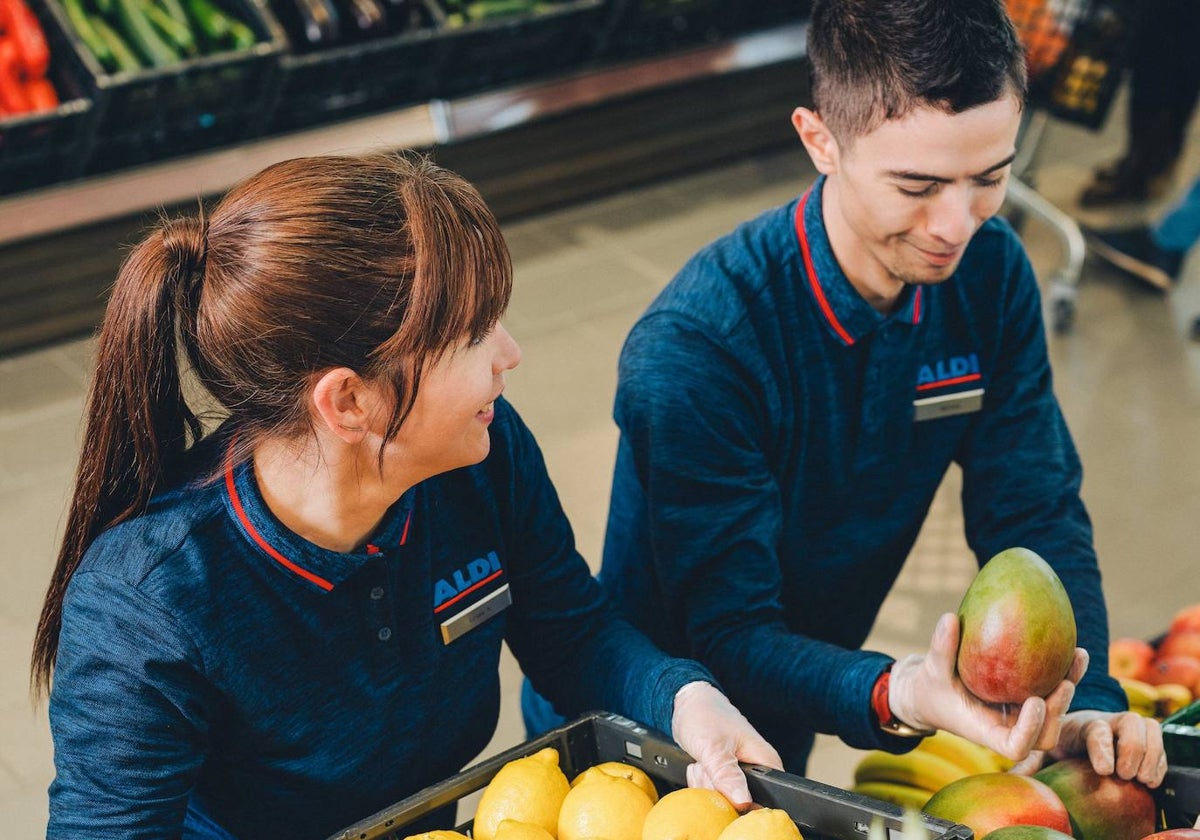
x: 531, y: 799
x: 1160, y: 678
x: 127, y: 35
x: 24, y: 62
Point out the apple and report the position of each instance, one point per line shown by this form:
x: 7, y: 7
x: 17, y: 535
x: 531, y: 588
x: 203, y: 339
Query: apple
x: 1183, y: 670
x: 1176, y: 834
x: 1187, y: 618
x: 1181, y: 643
x: 1129, y: 658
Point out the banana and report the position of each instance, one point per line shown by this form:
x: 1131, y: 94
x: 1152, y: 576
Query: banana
x: 1143, y: 697
x: 971, y: 757
x: 919, y: 769
x: 1171, y: 698
x: 906, y: 796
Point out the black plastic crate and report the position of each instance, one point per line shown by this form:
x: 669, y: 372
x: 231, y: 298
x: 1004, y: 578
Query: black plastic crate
x: 1181, y: 736
x: 357, y: 78
x: 198, y: 103
x: 651, y: 27
x: 483, y: 54
x: 821, y: 811
x: 43, y: 148
x: 1178, y: 797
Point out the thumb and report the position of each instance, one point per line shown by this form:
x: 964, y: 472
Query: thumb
x: 727, y: 778
x: 943, y: 648
x: 755, y: 750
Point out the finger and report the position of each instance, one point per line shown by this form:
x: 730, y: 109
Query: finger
x: 1029, y: 765
x: 1098, y: 735
x: 728, y: 779
x: 697, y: 777
x: 1056, y: 709
x: 1079, y: 666
x: 1154, y: 763
x: 757, y: 751
x: 1016, y: 743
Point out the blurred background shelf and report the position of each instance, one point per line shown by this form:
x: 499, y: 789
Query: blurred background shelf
x: 528, y: 147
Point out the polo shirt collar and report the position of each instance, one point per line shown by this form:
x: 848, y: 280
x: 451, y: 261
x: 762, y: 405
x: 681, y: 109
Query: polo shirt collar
x: 309, y: 564
x: 845, y: 313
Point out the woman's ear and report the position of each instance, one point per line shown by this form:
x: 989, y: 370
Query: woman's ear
x: 342, y: 404
x: 817, y: 139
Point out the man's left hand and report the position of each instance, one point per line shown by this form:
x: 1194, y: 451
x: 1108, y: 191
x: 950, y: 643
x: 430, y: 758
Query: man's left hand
x: 1122, y: 743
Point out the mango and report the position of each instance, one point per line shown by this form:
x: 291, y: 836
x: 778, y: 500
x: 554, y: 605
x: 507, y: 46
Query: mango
x: 1018, y: 633
x: 990, y: 801
x: 1101, y: 807
x: 1027, y: 832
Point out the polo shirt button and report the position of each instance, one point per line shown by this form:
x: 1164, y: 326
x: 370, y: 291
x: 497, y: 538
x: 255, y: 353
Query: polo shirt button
x: 385, y: 634
x: 377, y: 593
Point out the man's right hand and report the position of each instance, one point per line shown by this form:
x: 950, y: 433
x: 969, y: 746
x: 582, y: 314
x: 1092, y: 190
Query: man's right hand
x: 926, y: 693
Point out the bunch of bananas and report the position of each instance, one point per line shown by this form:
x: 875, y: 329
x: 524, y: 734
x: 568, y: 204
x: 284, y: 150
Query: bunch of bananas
x: 1156, y: 701
x: 909, y: 780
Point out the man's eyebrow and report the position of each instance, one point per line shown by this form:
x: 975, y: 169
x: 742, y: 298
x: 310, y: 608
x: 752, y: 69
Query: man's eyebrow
x: 909, y: 175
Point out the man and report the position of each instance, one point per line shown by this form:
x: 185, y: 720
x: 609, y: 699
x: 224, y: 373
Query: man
x: 790, y: 403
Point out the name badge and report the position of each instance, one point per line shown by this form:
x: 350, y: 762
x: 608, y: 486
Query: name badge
x: 947, y: 405
x: 476, y: 614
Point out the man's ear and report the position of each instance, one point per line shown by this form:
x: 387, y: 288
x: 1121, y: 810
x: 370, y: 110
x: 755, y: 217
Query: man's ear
x: 822, y: 146
x: 341, y: 403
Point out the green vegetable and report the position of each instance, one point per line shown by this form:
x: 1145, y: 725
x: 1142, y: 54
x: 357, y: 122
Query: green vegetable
x: 83, y: 27
x: 212, y: 22
x: 123, y: 57
x: 178, y: 35
x: 142, y: 35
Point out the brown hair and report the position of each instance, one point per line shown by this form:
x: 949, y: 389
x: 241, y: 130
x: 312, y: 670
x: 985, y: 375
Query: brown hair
x: 377, y: 263
x: 877, y: 60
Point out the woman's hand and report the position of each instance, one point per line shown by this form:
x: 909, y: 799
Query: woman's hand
x: 925, y: 692
x: 718, y: 736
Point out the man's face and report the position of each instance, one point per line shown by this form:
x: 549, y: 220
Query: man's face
x: 910, y: 194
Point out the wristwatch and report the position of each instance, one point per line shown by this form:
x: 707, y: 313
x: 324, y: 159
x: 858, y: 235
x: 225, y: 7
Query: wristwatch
x: 888, y: 722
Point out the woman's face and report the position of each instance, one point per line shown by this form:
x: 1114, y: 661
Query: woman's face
x: 448, y: 425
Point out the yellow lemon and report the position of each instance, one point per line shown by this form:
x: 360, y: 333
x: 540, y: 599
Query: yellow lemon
x: 763, y: 824
x: 625, y: 771
x: 605, y: 806
x: 528, y: 790
x: 688, y: 814
x: 439, y: 834
x: 514, y: 830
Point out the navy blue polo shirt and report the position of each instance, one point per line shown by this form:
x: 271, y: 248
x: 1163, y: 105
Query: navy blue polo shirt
x: 772, y: 475
x: 212, y: 659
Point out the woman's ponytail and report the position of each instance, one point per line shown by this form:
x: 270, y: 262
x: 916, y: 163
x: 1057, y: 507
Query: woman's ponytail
x: 138, y: 424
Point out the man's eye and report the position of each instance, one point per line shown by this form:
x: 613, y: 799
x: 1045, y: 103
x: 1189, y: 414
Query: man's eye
x: 990, y: 182
x: 928, y: 191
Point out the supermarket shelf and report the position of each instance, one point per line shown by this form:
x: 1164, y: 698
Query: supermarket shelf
x: 95, y: 200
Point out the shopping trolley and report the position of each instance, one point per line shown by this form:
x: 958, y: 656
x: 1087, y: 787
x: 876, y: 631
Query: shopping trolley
x: 1075, y: 51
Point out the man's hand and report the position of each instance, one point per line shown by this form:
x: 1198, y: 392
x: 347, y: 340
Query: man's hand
x: 1124, y: 743
x: 926, y: 693
x: 713, y: 732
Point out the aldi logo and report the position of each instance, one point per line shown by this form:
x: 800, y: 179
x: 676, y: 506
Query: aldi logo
x: 475, y: 575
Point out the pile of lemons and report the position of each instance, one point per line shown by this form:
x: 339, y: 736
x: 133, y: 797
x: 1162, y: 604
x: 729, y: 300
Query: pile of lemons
x: 531, y: 799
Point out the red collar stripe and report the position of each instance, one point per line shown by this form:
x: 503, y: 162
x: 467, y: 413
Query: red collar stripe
x: 407, y: 522
x: 258, y: 538
x: 957, y: 380
x: 469, y: 590
x: 917, y: 305
x: 818, y: 292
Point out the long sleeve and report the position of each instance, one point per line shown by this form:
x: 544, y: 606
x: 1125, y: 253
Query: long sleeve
x: 571, y: 644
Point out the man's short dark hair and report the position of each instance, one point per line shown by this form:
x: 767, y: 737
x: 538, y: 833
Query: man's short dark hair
x: 876, y: 60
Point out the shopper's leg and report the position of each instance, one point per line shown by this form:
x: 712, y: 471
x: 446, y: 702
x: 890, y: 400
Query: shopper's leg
x: 1179, y: 229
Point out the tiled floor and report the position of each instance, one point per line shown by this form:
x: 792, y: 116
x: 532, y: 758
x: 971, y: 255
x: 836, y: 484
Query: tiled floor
x: 1128, y: 379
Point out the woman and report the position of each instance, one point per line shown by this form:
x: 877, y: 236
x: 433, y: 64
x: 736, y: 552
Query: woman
x: 278, y: 627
